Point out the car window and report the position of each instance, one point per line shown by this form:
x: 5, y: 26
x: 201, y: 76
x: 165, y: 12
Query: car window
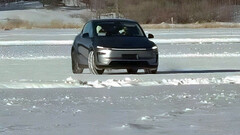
x: 129, y: 29
x: 88, y: 29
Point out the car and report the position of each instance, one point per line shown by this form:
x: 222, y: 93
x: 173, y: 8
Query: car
x: 114, y: 44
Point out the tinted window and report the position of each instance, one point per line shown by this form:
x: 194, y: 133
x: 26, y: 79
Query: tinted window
x: 129, y: 29
x: 88, y: 29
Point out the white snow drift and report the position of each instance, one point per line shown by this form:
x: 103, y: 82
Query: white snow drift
x: 37, y: 42
x: 127, y: 82
x: 200, y: 40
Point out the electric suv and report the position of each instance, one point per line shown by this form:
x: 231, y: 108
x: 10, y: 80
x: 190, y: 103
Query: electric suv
x: 114, y: 44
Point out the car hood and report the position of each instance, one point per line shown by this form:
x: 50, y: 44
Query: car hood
x: 123, y: 42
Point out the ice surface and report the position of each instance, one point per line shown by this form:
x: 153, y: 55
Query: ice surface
x: 38, y: 42
x: 34, y: 58
x: 199, y: 40
x: 42, y: 58
x: 39, y: 94
x: 189, y: 109
x: 157, y: 41
x: 200, y: 55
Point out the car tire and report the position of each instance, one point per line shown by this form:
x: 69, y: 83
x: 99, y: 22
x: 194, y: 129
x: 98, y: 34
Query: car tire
x: 92, y: 66
x: 75, y: 66
x: 150, y: 71
x: 132, y: 71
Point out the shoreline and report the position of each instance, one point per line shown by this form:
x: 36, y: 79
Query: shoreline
x: 59, y: 25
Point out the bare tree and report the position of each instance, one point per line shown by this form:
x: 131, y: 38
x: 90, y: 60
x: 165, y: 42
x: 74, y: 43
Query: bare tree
x: 97, y: 6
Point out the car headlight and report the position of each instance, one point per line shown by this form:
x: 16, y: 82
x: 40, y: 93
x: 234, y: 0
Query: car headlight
x: 154, y: 48
x: 103, y: 48
x: 100, y: 47
x: 103, y: 51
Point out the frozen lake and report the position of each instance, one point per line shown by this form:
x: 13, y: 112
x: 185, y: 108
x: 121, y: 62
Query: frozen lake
x: 32, y: 58
x: 196, y: 90
x: 171, y: 110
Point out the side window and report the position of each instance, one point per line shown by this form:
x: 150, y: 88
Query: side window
x: 88, y: 29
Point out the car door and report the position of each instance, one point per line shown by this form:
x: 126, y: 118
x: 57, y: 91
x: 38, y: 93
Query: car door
x: 84, y: 43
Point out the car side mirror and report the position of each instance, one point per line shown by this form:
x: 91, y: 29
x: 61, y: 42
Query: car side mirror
x: 85, y: 35
x: 150, y: 36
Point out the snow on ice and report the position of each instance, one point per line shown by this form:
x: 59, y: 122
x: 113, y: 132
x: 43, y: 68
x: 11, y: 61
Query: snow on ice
x: 127, y: 82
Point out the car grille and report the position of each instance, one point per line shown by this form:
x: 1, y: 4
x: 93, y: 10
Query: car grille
x: 129, y: 63
x: 130, y: 56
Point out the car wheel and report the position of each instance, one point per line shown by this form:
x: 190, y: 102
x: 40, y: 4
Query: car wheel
x: 132, y: 71
x: 75, y: 66
x: 150, y: 71
x: 92, y: 66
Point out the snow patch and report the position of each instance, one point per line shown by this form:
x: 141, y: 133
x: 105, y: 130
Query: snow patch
x: 221, y: 55
x: 145, y: 118
x: 35, y: 58
x: 187, y: 110
x: 37, y: 42
x: 136, y: 82
x: 127, y: 82
x: 200, y: 40
x: 8, y: 104
x: 232, y: 79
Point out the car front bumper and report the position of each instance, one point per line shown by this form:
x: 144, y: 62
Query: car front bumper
x: 126, y: 58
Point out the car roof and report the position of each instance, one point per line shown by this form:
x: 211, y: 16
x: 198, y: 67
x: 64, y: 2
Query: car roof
x: 112, y: 20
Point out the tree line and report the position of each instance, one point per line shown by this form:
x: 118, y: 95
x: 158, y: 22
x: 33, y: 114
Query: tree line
x: 179, y: 11
x: 170, y: 11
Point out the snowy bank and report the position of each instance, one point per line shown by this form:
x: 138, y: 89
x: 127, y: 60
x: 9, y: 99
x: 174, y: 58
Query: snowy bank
x: 126, y: 82
x: 192, y: 25
x: 43, y: 18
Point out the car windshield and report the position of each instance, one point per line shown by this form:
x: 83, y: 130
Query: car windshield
x: 129, y: 29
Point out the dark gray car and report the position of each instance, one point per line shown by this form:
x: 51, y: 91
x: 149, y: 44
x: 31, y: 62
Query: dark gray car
x: 114, y: 44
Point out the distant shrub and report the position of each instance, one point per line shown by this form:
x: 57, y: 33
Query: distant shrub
x: 184, y: 11
x: 15, y: 23
x: 54, y: 24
